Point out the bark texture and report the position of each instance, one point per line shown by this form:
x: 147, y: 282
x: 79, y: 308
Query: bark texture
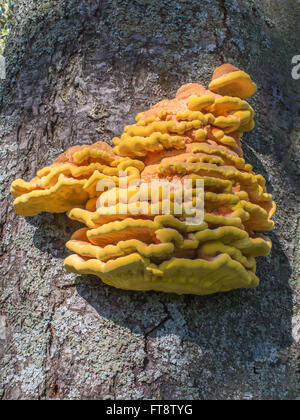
x: 77, y: 72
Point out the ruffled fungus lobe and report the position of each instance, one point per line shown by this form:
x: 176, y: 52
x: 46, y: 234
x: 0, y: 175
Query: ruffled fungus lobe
x: 195, y: 136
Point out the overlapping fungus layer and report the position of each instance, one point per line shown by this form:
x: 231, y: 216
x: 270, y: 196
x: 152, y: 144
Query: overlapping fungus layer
x: 195, y: 136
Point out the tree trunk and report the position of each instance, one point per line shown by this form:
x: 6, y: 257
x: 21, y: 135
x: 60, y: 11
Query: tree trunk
x: 78, y: 72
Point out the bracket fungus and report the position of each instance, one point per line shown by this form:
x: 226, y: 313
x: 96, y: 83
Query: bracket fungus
x: 229, y: 80
x: 195, y: 136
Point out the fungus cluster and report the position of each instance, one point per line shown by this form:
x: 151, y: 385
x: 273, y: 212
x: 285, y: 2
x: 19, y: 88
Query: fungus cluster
x: 196, y: 136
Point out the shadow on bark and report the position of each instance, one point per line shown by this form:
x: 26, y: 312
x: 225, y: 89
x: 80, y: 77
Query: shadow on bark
x: 240, y: 321
x: 52, y: 232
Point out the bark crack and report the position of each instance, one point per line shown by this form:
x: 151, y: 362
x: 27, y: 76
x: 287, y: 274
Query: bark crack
x: 51, y: 388
x: 147, y: 334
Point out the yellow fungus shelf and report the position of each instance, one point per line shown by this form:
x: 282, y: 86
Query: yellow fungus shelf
x: 197, y: 136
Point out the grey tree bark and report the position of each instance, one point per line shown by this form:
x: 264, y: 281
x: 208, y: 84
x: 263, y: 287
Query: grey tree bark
x: 77, y: 72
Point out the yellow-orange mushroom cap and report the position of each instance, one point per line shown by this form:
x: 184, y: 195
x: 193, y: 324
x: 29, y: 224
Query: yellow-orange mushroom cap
x: 194, y: 136
x: 229, y: 80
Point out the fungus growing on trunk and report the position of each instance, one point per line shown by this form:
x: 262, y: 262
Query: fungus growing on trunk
x: 195, y: 136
